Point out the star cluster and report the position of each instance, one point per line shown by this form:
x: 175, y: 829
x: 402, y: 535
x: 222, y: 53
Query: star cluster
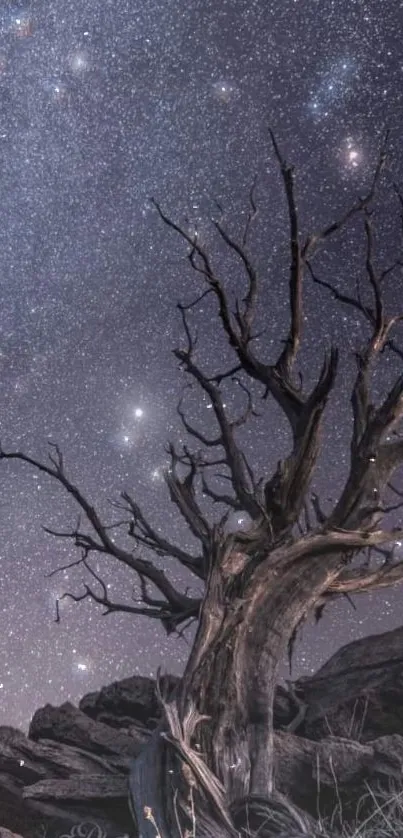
x: 102, y: 105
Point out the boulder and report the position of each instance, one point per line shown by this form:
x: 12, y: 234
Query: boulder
x: 32, y: 761
x: 319, y: 776
x: 124, y: 703
x: 357, y: 693
x: 92, y: 787
x: 28, y: 808
x: 45, y: 818
x: 71, y: 726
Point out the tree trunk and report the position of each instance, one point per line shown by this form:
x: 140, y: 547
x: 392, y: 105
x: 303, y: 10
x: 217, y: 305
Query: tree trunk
x: 211, y: 765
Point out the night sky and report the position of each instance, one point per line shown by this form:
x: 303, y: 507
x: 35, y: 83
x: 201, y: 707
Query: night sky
x: 104, y: 105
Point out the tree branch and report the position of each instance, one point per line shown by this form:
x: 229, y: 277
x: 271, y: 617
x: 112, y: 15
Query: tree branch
x: 175, y: 599
x: 360, y: 580
x: 236, y: 464
x: 142, y: 531
x: 182, y: 493
x: 157, y: 609
x: 284, y: 493
x: 288, y: 356
x: 284, y: 393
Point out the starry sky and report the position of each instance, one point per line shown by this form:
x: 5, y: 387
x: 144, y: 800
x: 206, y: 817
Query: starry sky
x: 103, y: 105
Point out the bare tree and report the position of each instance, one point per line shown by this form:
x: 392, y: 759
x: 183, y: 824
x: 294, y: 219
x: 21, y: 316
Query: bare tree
x: 209, y: 766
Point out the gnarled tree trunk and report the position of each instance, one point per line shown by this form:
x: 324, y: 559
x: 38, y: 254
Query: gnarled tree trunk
x: 219, y: 723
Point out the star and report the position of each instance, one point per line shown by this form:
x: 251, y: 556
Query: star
x: 224, y: 91
x: 79, y: 61
x: 22, y: 25
x: 351, y: 154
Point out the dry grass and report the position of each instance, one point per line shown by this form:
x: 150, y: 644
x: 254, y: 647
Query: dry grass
x: 385, y: 820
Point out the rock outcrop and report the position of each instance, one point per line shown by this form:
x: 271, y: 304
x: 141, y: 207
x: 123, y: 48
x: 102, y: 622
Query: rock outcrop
x: 357, y: 693
x: 339, y: 731
x: 119, y: 704
x: 70, y: 726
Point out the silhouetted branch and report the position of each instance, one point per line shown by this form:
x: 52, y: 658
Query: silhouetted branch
x: 156, y: 608
x: 234, y: 459
x: 287, y: 358
x: 208, y: 443
x: 175, y: 600
x: 183, y: 495
x: 141, y: 530
x: 217, y: 497
x: 251, y: 214
x: 64, y: 567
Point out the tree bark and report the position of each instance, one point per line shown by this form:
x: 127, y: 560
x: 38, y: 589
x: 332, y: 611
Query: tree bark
x: 219, y: 723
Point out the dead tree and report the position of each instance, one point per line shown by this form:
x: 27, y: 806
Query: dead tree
x: 208, y: 769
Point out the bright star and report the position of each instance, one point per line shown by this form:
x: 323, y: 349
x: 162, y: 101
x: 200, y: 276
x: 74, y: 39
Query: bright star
x: 56, y: 91
x: 79, y: 61
x: 351, y: 155
x: 224, y: 91
x: 22, y: 26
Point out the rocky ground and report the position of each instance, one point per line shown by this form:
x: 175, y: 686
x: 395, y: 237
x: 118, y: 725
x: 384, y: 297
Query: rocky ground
x: 339, y: 733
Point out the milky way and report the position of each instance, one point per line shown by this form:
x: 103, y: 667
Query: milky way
x: 102, y: 106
